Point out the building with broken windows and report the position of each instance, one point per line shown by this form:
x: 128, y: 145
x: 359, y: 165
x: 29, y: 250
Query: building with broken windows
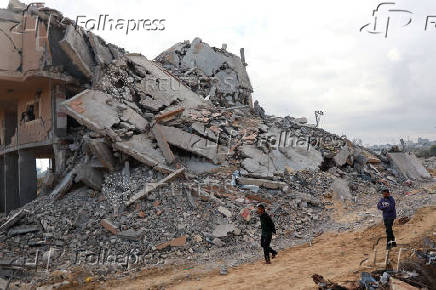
x: 43, y: 59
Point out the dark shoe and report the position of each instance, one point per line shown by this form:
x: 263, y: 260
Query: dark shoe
x: 394, y: 244
x: 274, y: 255
x: 268, y: 262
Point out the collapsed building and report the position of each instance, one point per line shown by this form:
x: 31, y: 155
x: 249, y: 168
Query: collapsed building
x: 120, y: 128
x: 45, y: 60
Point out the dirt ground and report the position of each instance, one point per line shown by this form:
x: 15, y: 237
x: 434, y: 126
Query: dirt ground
x: 339, y: 257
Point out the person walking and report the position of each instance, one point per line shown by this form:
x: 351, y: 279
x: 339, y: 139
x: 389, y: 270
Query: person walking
x: 268, y: 228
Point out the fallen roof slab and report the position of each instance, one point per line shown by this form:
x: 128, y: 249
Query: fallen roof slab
x: 99, y: 112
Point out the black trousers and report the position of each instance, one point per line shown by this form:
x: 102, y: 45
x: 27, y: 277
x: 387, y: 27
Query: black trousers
x: 265, y: 241
x: 389, y: 233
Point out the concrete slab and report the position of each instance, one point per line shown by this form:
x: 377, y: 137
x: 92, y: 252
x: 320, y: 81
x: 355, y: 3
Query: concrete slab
x: 102, y: 151
x: 409, y: 166
x: 261, y: 165
x: 142, y: 149
x: 100, y: 112
x: 77, y: 50
x: 90, y: 176
x: 164, y: 87
x: 195, y: 144
x: 163, y: 144
x: 102, y: 53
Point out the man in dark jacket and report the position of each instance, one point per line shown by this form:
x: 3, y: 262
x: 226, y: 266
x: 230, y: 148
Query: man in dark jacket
x: 387, y: 205
x: 268, y: 229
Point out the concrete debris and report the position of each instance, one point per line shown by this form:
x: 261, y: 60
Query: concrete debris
x: 21, y: 230
x: 262, y: 182
x: 151, y: 187
x: 104, y: 154
x: 76, y: 48
x: 90, y: 176
x: 108, y: 225
x: 225, y: 211
x: 195, y: 144
x: 210, y: 72
x: 135, y: 126
x: 221, y: 231
x: 177, y: 242
x: 163, y: 144
x: 64, y: 186
x: 344, y: 156
x: 141, y: 148
x: 13, y: 220
x: 409, y: 166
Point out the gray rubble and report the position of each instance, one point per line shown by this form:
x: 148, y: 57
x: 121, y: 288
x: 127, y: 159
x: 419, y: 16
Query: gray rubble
x: 168, y: 162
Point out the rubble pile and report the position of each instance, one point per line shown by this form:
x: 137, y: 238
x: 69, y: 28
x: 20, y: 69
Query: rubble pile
x: 171, y: 157
x: 430, y: 165
x: 213, y: 73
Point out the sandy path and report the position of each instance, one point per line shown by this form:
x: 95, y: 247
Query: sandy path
x: 335, y: 256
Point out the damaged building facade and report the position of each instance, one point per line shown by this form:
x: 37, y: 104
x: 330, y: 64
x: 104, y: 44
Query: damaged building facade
x: 39, y: 68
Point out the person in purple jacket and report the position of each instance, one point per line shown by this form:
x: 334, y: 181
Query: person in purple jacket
x: 387, y: 205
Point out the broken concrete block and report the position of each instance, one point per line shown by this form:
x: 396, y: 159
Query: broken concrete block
x: 261, y: 165
x: 150, y: 188
x: 77, y: 50
x: 205, y: 132
x: 110, y: 226
x: 100, y: 112
x: 102, y: 53
x: 177, y: 242
x: 90, y: 176
x: 195, y: 144
x: 270, y: 184
x: 152, y: 104
x: 225, y: 211
x: 221, y: 231
x: 22, y: 230
x: 102, y: 151
x: 141, y: 148
x: 226, y: 71
x: 343, y: 155
x: 163, y: 144
x: 13, y: 220
x: 218, y: 242
x: 130, y: 234
x: 409, y: 166
x: 164, y: 87
x: 62, y: 188
x: 342, y: 189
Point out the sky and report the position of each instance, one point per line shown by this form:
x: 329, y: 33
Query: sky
x: 305, y: 55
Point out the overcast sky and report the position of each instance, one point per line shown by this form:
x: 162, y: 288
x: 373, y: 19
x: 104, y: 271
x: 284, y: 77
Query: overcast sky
x: 306, y: 55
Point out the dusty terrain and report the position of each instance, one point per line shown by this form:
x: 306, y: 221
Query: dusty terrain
x: 339, y: 257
